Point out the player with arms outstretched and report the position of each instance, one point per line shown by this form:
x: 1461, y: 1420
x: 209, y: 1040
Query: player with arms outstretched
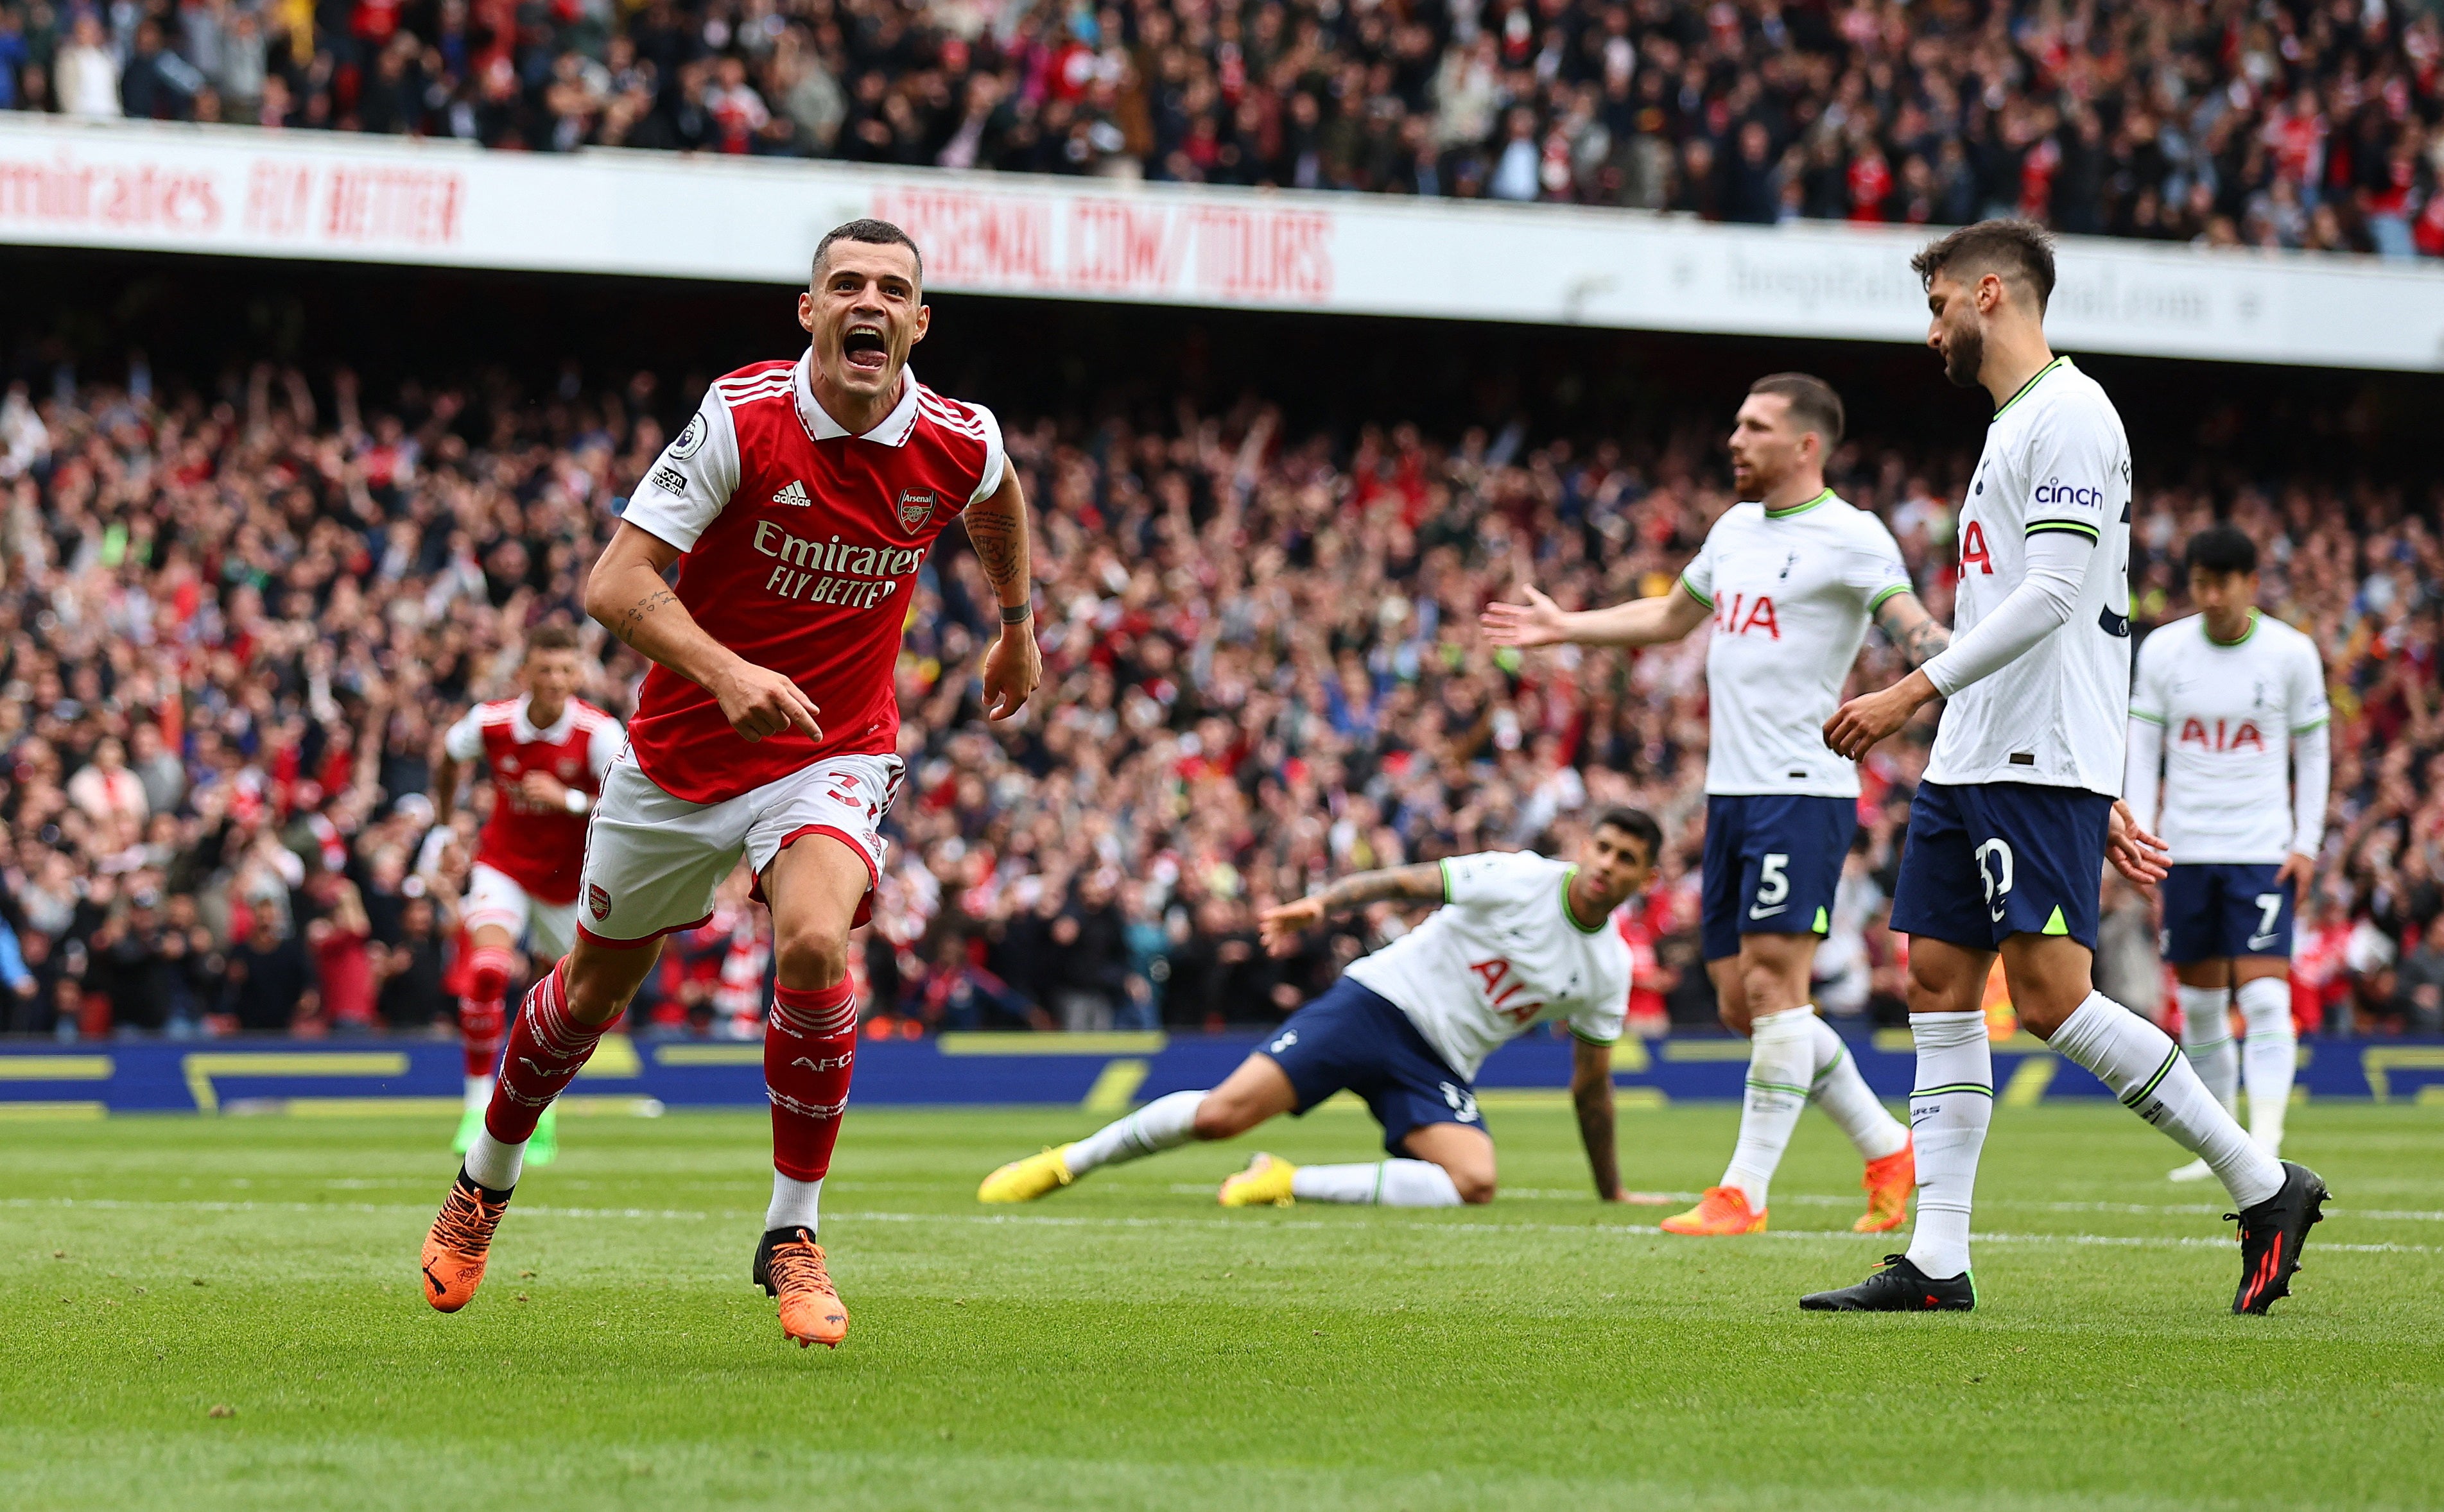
x: 1518, y: 941
x: 798, y: 506
x: 2228, y: 703
x: 2011, y: 829
x: 1790, y: 580
x: 546, y: 751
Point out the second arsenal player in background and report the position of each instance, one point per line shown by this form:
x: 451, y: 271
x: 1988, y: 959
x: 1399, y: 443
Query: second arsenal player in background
x: 798, y: 506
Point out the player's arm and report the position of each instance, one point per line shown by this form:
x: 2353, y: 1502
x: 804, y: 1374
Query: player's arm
x: 997, y: 533
x: 1279, y: 927
x: 1540, y: 622
x: 2313, y: 773
x: 627, y: 596
x: 1591, y: 1095
x: 1909, y: 625
x: 447, y: 772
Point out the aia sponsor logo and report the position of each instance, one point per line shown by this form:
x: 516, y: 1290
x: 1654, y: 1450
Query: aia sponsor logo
x: 1740, y: 614
x: 598, y: 902
x: 916, y: 507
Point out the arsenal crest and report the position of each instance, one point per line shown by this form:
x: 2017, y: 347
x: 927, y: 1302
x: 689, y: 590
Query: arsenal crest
x: 598, y: 901
x: 916, y: 507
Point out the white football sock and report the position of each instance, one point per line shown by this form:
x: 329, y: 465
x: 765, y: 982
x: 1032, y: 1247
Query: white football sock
x: 1782, y: 1061
x: 1165, y: 1123
x: 1950, y: 1105
x: 1389, y: 1183
x: 2148, y: 1073
x: 794, y: 1204
x: 2269, y: 1057
x: 493, y: 1164
x: 2206, y: 1039
x: 1842, y: 1092
x: 479, y: 1091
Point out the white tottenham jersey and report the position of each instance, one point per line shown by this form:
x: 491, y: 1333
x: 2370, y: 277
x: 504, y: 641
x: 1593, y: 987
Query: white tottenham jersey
x: 2228, y: 713
x: 2055, y: 460
x: 1793, y: 591
x: 1502, y: 953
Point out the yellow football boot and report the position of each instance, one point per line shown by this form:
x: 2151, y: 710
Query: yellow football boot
x: 1025, y: 1180
x: 1265, y: 1183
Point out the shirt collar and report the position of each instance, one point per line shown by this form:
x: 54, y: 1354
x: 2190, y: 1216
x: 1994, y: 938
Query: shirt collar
x: 896, y: 428
x: 523, y: 727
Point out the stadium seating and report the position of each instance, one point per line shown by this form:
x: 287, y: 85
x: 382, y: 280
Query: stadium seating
x: 2203, y: 120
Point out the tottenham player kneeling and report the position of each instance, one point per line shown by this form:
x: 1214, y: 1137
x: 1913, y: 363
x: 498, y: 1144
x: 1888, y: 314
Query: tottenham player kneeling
x: 2229, y: 703
x: 1520, y: 940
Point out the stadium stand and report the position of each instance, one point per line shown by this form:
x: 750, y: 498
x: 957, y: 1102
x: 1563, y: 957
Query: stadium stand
x: 237, y: 613
x: 2215, y: 121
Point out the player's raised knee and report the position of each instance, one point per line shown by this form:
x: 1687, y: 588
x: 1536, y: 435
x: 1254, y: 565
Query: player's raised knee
x: 1475, y: 1188
x: 811, y: 955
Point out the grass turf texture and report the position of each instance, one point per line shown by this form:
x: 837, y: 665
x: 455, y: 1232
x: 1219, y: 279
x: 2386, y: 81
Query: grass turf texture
x: 1126, y: 1343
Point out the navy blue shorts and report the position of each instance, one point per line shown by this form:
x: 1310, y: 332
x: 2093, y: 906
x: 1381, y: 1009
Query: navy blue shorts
x: 2216, y: 909
x: 1356, y: 1038
x: 1772, y: 863
x: 1987, y: 860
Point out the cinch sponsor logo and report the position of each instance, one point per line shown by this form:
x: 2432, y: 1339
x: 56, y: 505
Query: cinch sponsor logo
x: 867, y: 575
x: 2054, y: 491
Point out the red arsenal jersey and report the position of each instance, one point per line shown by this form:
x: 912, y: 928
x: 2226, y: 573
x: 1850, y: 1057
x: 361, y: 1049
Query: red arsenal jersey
x: 802, y: 547
x: 539, y: 848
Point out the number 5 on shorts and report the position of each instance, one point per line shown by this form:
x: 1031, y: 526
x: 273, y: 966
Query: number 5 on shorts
x: 1772, y: 885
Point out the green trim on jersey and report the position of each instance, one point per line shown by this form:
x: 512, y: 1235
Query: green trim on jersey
x: 1598, y: 927
x: 1589, y: 1038
x: 2034, y: 379
x: 2302, y: 729
x: 1877, y: 601
x: 2065, y: 527
x: 1444, y: 866
x: 1691, y: 589
x: 1799, y: 509
x: 2227, y: 645
x: 2152, y: 719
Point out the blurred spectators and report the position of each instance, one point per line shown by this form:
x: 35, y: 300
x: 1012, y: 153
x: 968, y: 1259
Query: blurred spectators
x: 233, y: 621
x: 2222, y: 123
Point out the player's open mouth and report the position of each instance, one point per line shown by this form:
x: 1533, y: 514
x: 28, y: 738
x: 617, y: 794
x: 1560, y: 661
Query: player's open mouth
x: 862, y: 347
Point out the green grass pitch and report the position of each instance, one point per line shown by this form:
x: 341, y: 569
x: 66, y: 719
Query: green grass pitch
x: 1127, y: 1344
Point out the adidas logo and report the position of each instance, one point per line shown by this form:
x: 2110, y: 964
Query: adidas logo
x: 792, y: 492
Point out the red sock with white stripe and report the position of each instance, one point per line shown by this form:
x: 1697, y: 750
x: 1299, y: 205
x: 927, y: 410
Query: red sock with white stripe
x: 546, y: 1048
x: 809, y: 1051
x: 483, y: 1018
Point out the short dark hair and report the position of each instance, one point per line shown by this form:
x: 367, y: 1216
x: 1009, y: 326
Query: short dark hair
x: 550, y: 637
x: 2019, y: 250
x: 2221, y: 548
x: 1814, y: 403
x: 874, y: 233
x: 1637, y: 824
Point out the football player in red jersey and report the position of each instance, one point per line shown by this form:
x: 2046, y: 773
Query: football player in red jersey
x: 797, y: 505
x: 547, y: 752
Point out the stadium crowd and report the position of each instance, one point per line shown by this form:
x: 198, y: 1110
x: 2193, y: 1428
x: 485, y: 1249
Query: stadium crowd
x: 233, y: 623
x: 2265, y: 123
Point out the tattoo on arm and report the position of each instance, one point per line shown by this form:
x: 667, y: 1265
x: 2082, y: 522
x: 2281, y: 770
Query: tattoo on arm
x: 999, y: 538
x: 1414, y: 884
x: 1907, y: 625
x: 635, y: 618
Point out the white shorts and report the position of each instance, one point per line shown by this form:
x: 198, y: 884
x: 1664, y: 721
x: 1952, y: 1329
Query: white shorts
x: 652, y: 861
x: 545, y: 930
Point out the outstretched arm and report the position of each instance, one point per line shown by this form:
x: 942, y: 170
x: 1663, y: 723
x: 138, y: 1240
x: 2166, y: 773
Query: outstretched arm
x: 626, y: 594
x: 998, y: 532
x: 1279, y: 927
x: 1908, y: 625
x: 1591, y: 1095
x: 1540, y: 622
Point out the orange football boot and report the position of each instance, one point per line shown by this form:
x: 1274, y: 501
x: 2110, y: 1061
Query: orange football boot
x: 1889, y: 1183
x: 459, y: 1242
x: 1722, y: 1210
x: 789, y: 1266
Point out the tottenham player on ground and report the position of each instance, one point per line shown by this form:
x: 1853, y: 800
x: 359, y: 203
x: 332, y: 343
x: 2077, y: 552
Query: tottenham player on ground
x: 546, y: 751
x: 2228, y: 703
x: 1792, y: 581
x: 797, y: 505
x: 2009, y: 831
x: 1520, y: 940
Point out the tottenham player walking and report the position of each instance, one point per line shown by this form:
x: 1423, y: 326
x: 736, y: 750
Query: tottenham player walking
x: 1518, y: 941
x: 2009, y: 831
x: 2229, y: 703
x: 1790, y: 580
x: 547, y: 750
x: 797, y: 506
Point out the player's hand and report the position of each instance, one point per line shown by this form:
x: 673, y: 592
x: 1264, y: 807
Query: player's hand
x: 2136, y: 854
x: 1280, y: 925
x: 1540, y: 622
x: 2300, y: 871
x: 759, y: 703
x: 1013, y: 668
x: 1858, y: 725
x: 544, y: 790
